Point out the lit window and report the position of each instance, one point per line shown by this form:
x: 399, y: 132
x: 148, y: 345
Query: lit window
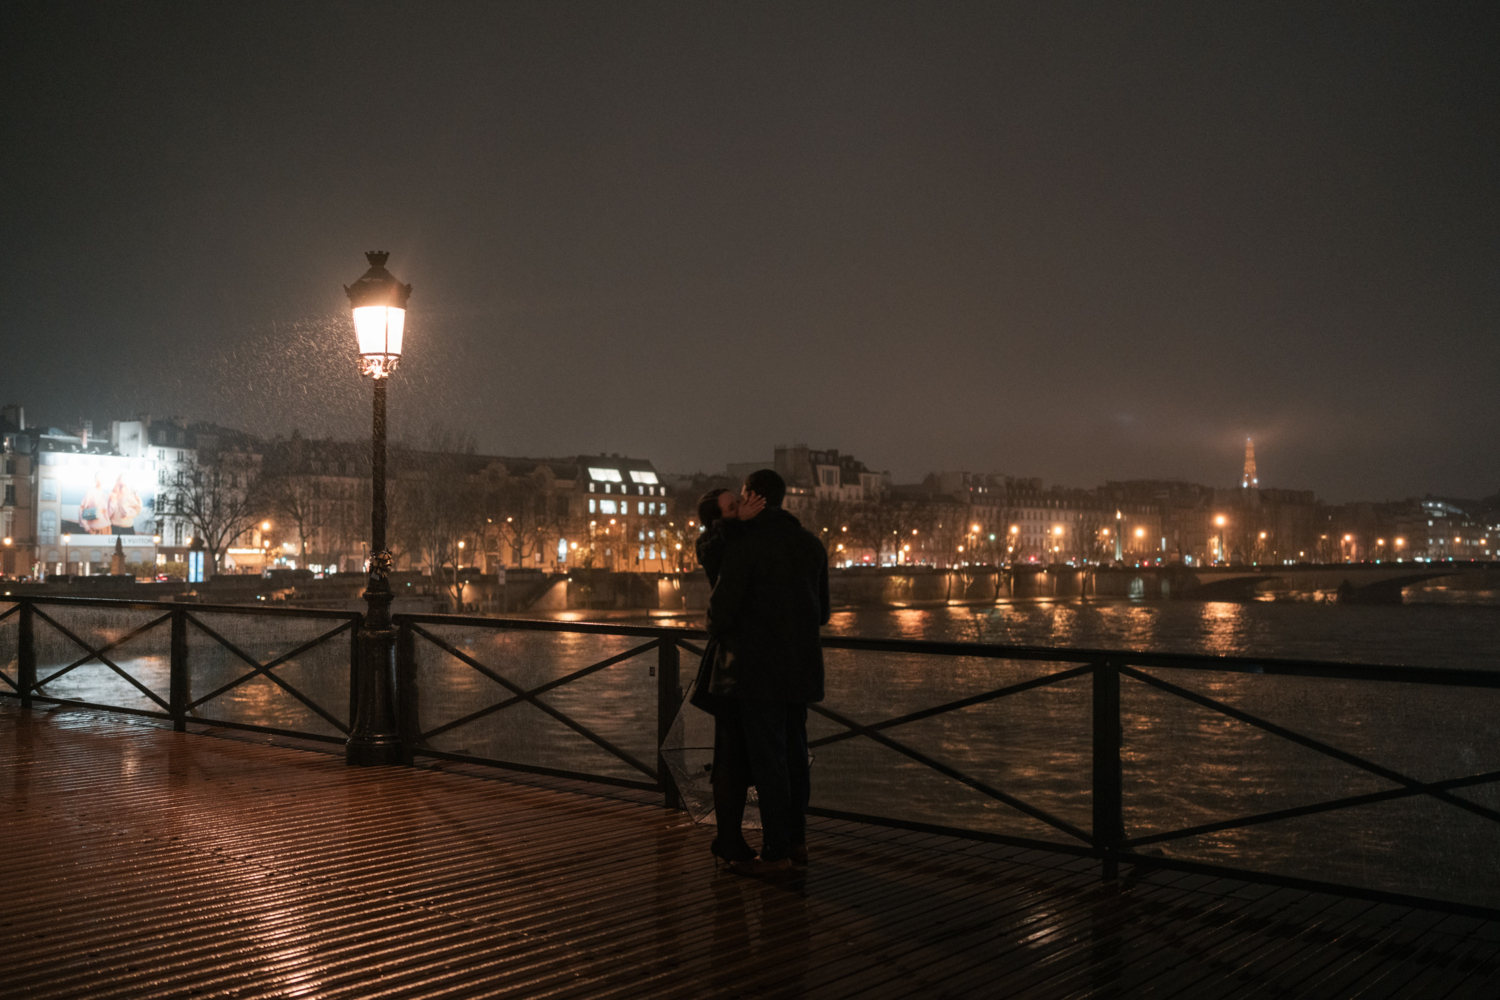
x: 606, y: 487
x: 606, y: 506
x: 651, y: 508
x: 642, y: 477
x: 605, y: 475
x: 592, y: 506
x: 640, y: 506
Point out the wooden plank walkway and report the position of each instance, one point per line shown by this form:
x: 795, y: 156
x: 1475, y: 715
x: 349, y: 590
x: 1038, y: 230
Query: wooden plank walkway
x: 141, y: 863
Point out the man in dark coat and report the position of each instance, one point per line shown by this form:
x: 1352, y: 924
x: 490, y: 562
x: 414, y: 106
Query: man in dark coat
x: 766, y: 610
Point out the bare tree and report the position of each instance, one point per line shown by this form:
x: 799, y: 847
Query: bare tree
x: 436, y: 503
x: 888, y: 522
x: 532, y: 516
x: 292, y: 497
x: 1091, y: 541
x: 219, y: 496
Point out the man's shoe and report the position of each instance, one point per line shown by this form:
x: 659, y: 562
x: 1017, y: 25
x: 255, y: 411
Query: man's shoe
x: 758, y: 867
x: 798, y: 854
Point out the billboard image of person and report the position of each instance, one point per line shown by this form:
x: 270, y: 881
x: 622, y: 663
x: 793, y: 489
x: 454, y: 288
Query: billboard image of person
x: 124, y: 506
x: 93, y: 510
x: 106, y: 495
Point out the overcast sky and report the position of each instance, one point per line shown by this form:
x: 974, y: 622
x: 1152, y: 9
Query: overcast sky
x: 1082, y: 242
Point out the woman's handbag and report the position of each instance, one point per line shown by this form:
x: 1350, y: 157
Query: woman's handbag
x: 703, y: 696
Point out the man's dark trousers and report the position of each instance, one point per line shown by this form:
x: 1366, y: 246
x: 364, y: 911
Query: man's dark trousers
x: 776, y: 742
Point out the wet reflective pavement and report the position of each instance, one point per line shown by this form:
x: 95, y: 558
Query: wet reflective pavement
x: 143, y: 863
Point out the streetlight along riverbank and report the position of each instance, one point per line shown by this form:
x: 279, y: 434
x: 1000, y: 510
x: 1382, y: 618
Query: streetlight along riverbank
x: 378, y: 302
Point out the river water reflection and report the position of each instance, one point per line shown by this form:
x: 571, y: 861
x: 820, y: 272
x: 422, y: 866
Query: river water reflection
x: 1437, y: 634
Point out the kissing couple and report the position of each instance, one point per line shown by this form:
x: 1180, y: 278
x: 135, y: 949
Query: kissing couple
x: 762, y: 666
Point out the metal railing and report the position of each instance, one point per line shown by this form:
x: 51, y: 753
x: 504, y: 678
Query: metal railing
x: 173, y: 649
x: 462, y: 680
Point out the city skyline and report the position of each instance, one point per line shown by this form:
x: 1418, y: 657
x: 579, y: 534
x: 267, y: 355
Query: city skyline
x: 1244, y: 454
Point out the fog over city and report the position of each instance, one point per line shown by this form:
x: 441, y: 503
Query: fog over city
x: 1081, y: 243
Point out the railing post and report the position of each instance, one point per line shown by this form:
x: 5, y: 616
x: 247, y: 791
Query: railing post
x: 668, y: 701
x: 1109, y: 790
x: 26, y: 654
x: 408, y: 720
x: 180, y: 692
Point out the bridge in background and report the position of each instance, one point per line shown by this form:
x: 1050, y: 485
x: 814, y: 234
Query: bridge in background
x: 1365, y: 583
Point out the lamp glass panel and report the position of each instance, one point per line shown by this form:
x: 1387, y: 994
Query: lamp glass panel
x: 379, y: 329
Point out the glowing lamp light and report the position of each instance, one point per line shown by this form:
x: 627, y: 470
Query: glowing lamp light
x: 379, y: 304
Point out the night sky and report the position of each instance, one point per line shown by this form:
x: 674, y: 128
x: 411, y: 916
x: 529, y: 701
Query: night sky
x: 1082, y: 242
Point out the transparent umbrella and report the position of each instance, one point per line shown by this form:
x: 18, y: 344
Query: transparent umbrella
x: 688, y: 752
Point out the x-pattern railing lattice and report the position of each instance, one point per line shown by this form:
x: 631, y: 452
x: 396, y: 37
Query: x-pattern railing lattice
x: 98, y: 653
x: 266, y: 669
x: 875, y: 732
x: 532, y: 696
x: 1409, y: 787
x: 13, y: 682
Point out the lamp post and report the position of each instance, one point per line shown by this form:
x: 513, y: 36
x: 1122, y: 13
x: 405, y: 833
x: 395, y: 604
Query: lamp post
x: 378, y: 302
x: 66, y: 540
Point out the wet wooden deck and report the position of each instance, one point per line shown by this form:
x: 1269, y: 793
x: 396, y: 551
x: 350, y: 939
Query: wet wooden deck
x: 141, y: 863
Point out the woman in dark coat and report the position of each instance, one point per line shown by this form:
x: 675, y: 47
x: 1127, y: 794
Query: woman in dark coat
x: 721, y: 512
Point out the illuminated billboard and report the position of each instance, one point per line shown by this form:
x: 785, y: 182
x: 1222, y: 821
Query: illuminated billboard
x: 102, y: 495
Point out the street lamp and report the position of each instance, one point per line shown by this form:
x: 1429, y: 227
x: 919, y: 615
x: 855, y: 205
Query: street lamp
x: 378, y: 302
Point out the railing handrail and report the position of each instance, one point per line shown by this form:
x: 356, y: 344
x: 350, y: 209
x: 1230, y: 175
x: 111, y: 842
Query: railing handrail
x: 125, y: 604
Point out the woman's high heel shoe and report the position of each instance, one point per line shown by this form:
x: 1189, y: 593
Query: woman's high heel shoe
x: 728, y: 860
